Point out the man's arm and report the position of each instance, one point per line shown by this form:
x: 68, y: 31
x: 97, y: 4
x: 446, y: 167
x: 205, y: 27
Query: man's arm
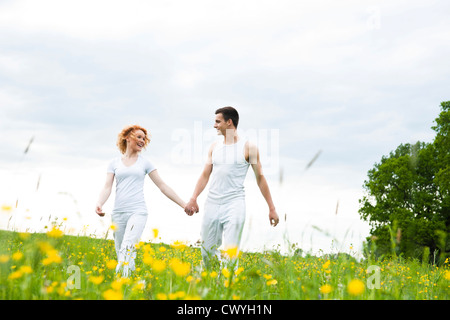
x: 192, y: 206
x: 252, y: 156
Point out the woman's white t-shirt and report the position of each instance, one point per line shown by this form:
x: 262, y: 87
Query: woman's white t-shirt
x: 130, y: 184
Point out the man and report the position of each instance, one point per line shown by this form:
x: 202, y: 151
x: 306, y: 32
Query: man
x: 228, y: 162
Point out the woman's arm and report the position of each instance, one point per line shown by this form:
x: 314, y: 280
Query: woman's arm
x: 165, y: 189
x: 104, y: 194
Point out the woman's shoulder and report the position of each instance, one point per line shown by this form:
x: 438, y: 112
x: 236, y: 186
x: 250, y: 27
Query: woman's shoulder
x: 148, y: 163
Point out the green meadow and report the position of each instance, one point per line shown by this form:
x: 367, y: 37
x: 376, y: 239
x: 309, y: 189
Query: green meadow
x: 54, y: 266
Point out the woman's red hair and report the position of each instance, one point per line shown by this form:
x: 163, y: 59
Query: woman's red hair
x: 128, y: 132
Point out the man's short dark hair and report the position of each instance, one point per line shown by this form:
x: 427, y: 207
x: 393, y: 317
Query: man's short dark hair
x: 229, y: 113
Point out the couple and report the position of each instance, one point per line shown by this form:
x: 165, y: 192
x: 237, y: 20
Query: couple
x: 228, y: 162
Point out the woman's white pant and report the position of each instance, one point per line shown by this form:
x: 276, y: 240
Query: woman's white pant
x: 221, y: 220
x: 129, y: 228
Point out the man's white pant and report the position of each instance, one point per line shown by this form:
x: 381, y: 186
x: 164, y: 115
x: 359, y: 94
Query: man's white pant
x: 128, y: 233
x: 225, y: 219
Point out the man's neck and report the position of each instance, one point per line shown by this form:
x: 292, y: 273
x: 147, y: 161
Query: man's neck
x: 231, y: 137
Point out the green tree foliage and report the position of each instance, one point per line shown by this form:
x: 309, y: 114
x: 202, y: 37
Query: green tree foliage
x: 406, y: 199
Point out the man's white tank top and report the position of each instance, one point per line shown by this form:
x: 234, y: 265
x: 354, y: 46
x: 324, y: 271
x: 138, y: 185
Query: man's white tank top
x: 229, y: 172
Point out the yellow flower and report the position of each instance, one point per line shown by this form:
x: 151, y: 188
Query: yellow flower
x: 15, y: 275
x: 267, y: 276
x: 6, y: 208
x: 355, y: 287
x: 44, y: 246
x: 111, y: 264
x: 52, y: 257
x: 161, y: 296
x: 232, y: 252
x: 162, y: 249
x: 113, y: 227
x: 17, y: 256
x: 326, y: 288
x: 178, y: 245
x: 139, y: 286
x: 177, y: 295
x: 112, y: 295
x: 326, y: 264
x: 213, y: 274
x: 26, y: 269
x: 180, y: 268
x: 4, y: 258
x: 96, y: 280
x: 226, y: 272
x: 147, y: 259
x: 238, y: 271
x: 272, y: 282
x: 55, y: 233
x: 447, y: 275
x: 155, y: 233
x: 158, y: 265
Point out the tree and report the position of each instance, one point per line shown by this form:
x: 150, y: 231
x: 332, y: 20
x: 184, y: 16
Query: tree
x: 406, y: 199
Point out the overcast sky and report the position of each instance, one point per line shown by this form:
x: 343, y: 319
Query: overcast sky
x: 352, y: 79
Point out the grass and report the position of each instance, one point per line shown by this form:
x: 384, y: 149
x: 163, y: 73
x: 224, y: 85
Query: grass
x: 56, y: 266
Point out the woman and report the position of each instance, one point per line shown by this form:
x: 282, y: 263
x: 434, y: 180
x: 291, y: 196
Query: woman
x: 130, y: 211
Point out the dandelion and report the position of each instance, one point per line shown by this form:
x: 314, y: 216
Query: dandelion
x: 325, y: 289
x: 355, y: 287
x: 447, y: 275
x: 326, y: 265
x: 213, y: 274
x: 112, y: 295
x: 113, y: 227
x: 178, y: 245
x: 180, y: 268
x: 111, y: 264
x: 162, y: 249
x: 238, y: 271
x: 15, y: 275
x: 226, y: 272
x: 26, y: 269
x: 17, y: 256
x: 232, y: 252
x: 272, y: 282
x: 161, y: 296
x: 158, y: 265
x: 52, y: 257
x: 155, y: 233
x: 96, y: 280
x: 139, y: 286
x: 55, y: 233
x: 147, y: 259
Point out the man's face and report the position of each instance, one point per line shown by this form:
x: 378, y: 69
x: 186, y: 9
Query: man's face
x: 221, y: 125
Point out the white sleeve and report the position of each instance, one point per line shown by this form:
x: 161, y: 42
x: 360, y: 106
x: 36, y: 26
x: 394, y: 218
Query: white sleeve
x: 111, y: 167
x: 149, y: 167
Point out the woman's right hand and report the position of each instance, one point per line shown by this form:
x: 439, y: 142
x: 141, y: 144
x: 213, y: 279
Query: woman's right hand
x: 98, y: 210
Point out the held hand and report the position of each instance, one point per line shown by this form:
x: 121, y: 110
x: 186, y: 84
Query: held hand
x: 98, y: 210
x: 191, y: 207
x: 273, y: 217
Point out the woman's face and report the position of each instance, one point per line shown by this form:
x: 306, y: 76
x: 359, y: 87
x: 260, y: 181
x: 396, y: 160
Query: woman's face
x: 136, y: 141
